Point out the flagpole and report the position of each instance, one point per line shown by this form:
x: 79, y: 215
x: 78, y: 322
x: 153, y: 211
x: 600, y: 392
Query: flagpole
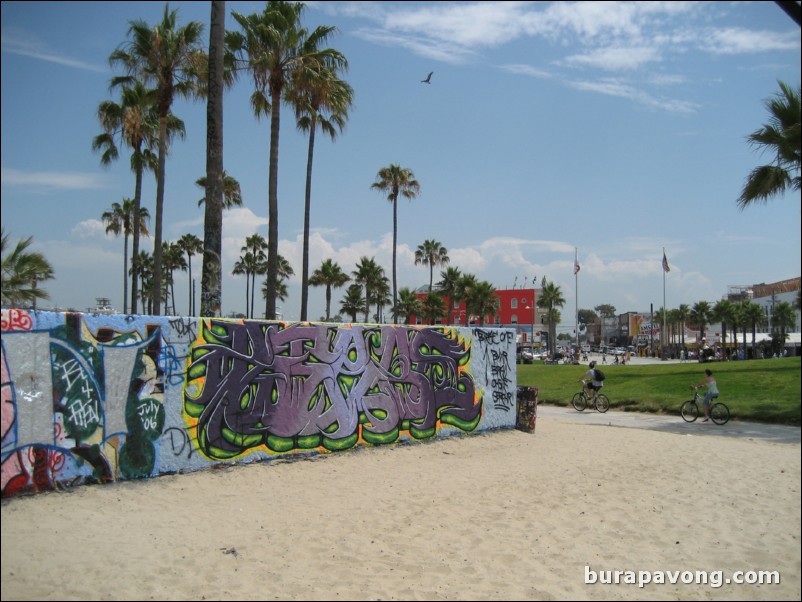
x: 663, y: 350
x: 576, y: 299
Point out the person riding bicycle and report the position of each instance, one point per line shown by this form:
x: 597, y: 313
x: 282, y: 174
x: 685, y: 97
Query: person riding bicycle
x: 712, y: 392
x: 590, y: 383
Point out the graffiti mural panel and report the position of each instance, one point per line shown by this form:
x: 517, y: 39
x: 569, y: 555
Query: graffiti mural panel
x: 98, y: 398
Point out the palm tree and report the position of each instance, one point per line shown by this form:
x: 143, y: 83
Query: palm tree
x: 330, y: 275
x: 409, y: 304
x: 172, y: 260
x: 255, y: 245
x: 395, y: 180
x: 232, y: 192
x: 551, y: 299
x: 353, y: 302
x: 700, y: 314
x: 21, y: 272
x: 781, y: 137
x: 120, y: 219
x: 245, y: 265
x: 212, y: 275
x: 724, y: 311
x: 683, y: 312
x: 431, y: 253
x: 169, y: 57
x: 449, y: 287
x: 191, y: 245
x: 321, y: 100
x: 144, y: 273
x: 782, y: 318
x: 274, y: 48
x: 369, y: 274
x: 754, y: 317
x: 433, y: 308
x: 482, y: 301
x: 135, y: 122
x: 285, y: 271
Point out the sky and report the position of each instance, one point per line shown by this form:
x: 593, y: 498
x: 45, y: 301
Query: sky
x: 603, y: 131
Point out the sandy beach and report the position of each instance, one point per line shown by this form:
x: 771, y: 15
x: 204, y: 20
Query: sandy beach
x: 505, y: 515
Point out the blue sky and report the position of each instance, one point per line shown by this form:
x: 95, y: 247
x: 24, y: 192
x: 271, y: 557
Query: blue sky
x: 612, y: 130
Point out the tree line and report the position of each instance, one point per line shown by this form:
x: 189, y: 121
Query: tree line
x: 290, y: 65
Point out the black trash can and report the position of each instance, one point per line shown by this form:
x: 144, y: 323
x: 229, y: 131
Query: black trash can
x: 526, y: 402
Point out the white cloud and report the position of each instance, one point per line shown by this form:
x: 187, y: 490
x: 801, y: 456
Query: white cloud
x: 24, y: 44
x: 52, y: 180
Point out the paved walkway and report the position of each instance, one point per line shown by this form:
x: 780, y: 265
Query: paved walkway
x: 675, y: 424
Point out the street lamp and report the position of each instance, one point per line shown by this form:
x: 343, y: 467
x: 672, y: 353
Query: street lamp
x: 534, y: 318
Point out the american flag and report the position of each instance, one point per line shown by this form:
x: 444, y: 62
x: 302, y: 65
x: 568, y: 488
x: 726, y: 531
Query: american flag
x: 576, y: 267
x: 665, y: 263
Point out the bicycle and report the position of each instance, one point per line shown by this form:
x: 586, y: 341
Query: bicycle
x: 600, y: 401
x: 719, y: 412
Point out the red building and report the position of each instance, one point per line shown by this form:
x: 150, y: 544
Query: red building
x: 517, y: 309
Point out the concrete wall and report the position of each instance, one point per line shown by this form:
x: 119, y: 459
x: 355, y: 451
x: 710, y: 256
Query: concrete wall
x: 90, y: 398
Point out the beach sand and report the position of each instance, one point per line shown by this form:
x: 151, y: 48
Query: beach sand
x: 505, y: 515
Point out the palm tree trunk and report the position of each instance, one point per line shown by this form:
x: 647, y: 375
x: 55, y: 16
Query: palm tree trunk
x: 189, y: 263
x: 125, y: 275
x: 307, y: 213
x: 135, y: 244
x: 157, y: 238
x: 272, y: 231
x: 395, y: 238
x: 212, y: 275
x: 328, y: 303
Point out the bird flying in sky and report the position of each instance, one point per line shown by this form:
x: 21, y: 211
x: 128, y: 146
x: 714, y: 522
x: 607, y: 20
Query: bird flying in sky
x: 428, y: 79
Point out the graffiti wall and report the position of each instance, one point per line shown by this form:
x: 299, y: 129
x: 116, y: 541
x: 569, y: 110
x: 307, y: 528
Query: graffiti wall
x: 98, y: 398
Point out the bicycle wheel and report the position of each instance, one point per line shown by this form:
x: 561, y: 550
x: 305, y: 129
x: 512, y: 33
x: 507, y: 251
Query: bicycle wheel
x: 602, y: 403
x: 579, y: 402
x: 689, y: 411
x: 719, y: 413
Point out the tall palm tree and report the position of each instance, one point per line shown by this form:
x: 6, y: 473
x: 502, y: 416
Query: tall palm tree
x: 551, y: 300
x: 700, y: 314
x: 232, y: 192
x: 274, y: 47
x: 395, y: 180
x: 353, y: 302
x: 170, y: 58
x: 21, y: 271
x: 191, y: 245
x: 144, y: 273
x: 321, y: 100
x: 172, y: 260
x: 245, y: 265
x: 781, y: 137
x: 369, y: 274
x: 330, y: 275
x: 783, y: 318
x: 431, y: 253
x: 724, y: 312
x: 753, y: 316
x: 120, y: 220
x: 285, y: 271
x: 449, y: 287
x: 410, y: 305
x: 683, y: 312
x: 256, y: 245
x: 212, y: 274
x: 135, y: 122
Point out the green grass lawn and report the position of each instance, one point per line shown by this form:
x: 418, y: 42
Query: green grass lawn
x: 759, y: 390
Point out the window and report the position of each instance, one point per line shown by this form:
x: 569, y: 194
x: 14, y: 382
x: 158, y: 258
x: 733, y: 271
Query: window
x: 514, y: 304
x: 514, y: 319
